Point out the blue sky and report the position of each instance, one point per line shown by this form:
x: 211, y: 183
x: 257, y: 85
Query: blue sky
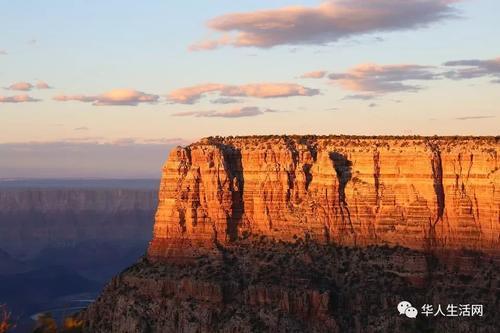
x: 90, y: 48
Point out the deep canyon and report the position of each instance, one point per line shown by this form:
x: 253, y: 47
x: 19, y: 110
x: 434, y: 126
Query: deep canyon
x: 62, y: 240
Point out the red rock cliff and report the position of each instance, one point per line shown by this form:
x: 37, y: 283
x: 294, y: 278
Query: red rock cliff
x: 415, y: 192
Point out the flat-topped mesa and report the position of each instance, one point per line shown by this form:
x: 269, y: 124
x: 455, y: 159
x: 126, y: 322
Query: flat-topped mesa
x: 418, y: 192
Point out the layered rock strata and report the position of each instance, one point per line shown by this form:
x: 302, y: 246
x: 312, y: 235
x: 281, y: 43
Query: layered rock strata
x: 311, y: 234
x: 421, y: 193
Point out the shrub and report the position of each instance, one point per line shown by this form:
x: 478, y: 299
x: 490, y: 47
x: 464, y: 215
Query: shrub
x: 6, y: 322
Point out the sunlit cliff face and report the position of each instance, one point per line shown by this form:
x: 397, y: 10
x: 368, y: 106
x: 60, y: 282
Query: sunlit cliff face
x: 418, y: 193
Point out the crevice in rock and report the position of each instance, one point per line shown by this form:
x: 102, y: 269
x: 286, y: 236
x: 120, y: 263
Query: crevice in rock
x: 343, y: 169
x: 188, y: 154
x: 290, y: 144
x: 182, y: 219
x: 311, y: 144
x: 307, y: 173
x: 234, y: 169
x: 437, y: 175
x: 376, y: 178
x: 196, y: 203
x: 470, y: 166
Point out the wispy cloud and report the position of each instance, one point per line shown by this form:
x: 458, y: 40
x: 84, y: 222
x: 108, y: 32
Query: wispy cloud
x: 79, y: 98
x: 313, y: 75
x: 82, y: 128
x: 249, y: 111
x: 191, y: 95
x: 3, y: 52
x: 128, y: 97
x: 225, y: 100
x: 362, y: 97
x: 474, y: 117
x: 474, y: 68
x: 20, y: 86
x: 328, y: 22
x: 42, y: 85
x: 27, y: 86
x: 372, y: 80
x: 18, y: 99
x: 380, y: 79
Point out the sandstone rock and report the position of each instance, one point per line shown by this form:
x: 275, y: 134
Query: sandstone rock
x: 440, y: 193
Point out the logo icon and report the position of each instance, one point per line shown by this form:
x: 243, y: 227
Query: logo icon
x: 407, y: 309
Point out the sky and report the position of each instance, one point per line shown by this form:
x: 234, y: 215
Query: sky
x: 79, y: 78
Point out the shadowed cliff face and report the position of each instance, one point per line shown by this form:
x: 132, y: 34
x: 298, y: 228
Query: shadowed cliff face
x: 441, y: 193
x: 343, y: 169
x: 262, y: 285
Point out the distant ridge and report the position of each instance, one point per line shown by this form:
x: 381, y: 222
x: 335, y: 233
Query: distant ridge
x: 80, y: 183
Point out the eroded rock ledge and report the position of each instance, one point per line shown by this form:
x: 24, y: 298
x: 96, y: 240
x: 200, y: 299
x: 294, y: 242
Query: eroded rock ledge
x: 417, y: 192
x: 274, y: 286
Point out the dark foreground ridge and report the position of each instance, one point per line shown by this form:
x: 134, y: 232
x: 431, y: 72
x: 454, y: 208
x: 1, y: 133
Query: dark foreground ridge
x: 267, y: 286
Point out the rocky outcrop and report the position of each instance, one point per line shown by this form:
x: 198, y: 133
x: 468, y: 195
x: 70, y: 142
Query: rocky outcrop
x: 440, y: 193
x: 267, y: 286
x: 314, y: 234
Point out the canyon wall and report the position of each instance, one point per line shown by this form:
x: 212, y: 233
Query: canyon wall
x: 34, y: 219
x: 417, y: 192
x: 64, y: 239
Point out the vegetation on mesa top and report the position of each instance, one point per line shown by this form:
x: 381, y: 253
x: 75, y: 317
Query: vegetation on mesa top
x: 346, y: 136
x: 307, y: 139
